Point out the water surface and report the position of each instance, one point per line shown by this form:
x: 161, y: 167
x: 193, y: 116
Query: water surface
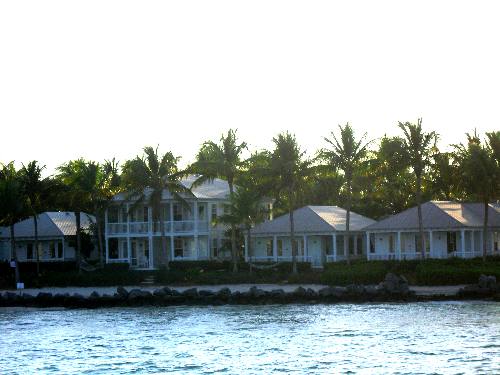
x: 437, y: 337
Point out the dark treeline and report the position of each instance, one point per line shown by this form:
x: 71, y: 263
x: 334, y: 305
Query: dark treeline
x: 375, y: 178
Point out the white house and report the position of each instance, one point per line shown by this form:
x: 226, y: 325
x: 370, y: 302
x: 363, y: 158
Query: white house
x: 132, y: 237
x: 56, y: 237
x: 319, y: 231
x: 451, y: 230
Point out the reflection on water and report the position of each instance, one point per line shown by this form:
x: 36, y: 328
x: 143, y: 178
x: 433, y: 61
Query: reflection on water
x: 460, y: 337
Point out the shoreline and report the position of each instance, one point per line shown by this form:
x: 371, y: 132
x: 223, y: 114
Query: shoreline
x: 446, y: 290
x: 236, y: 294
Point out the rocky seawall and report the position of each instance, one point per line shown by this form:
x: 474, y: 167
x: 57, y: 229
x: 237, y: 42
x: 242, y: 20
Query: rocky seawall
x: 393, y: 289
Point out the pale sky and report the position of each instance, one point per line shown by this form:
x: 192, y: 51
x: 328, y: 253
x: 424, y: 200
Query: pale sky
x: 98, y: 79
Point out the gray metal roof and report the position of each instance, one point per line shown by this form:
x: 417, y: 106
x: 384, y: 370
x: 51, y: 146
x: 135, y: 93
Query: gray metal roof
x: 215, y: 189
x: 441, y: 215
x: 314, y: 219
x: 50, y: 224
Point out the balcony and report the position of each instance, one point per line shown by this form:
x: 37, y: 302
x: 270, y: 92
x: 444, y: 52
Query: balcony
x: 185, y: 226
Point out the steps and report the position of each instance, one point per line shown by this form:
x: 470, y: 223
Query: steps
x: 148, y: 281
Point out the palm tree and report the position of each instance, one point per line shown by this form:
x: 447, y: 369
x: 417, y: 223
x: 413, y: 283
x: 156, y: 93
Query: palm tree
x: 146, y: 177
x: 479, y: 172
x: 419, y: 147
x: 35, y: 188
x: 246, y: 209
x: 346, y: 153
x: 107, y: 186
x: 79, y: 176
x: 12, y: 205
x: 290, y: 170
x: 224, y: 161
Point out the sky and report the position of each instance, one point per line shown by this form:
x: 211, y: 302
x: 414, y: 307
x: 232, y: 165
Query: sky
x: 103, y: 79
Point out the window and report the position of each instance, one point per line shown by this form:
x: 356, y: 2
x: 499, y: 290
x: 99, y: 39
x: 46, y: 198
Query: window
x: 52, y: 250
x: 451, y: 241
x: 124, y: 250
x: 269, y: 248
x: 280, y: 248
x: 359, y: 244
x: 214, y: 247
x: 178, y: 248
x: 145, y: 214
x: 29, y: 251
x: 391, y: 243
x: 113, y: 248
x: 372, y: 244
x: 59, y: 250
x: 214, y: 213
x: 124, y: 214
x: 177, y: 212
x: 201, y: 212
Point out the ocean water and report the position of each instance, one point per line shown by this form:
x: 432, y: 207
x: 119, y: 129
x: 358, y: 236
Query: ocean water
x: 415, y: 338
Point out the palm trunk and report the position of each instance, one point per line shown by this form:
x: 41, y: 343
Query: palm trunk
x: 292, y: 235
x: 35, y: 222
x: 347, y: 249
x: 14, y: 253
x: 249, y: 247
x: 234, y: 254
x: 420, y: 221
x: 99, y: 240
x: 78, y: 241
x: 164, y: 249
x: 485, y: 230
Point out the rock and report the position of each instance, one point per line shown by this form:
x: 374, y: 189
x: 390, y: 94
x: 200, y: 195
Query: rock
x: 191, y: 293
x: 167, y: 291
x: 277, y: 293
x: 311, y: 293
x: 395, y: 284
x: 122, y: 292
x: 355, y: 290
x: 224, y: 293
x: 487, y: 282
x: 325, y: 292
x: 94, y: 295
x: 138, y: 295
x: 175, y: 293
x: 206, y: 293
x: 256, y: 292
x: 338, y: 291
x: 299, y: 292
x: 160, y: 293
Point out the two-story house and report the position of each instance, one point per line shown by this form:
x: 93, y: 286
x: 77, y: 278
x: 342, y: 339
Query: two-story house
x: 192, y: 231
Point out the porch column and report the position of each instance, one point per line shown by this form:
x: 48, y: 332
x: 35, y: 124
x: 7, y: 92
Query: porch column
x: 473, y: 242
x: 129, y: 250
x: 481, y: 235
x: 398, y: 246
x: 106, y: 249
x: 355, y: 244
x: 275, y: 248
x: 172, y: 246
x: 150, y: 237
x: 195, y: 227
x: 246, y: 248
x: 128, y: 219
x: 305, y: 248
x: 171, y: 208
x: 367, y: 245
x: 462, y: 242
x: 334, y: 246
x: 431, y: 249
x: 151, y: 253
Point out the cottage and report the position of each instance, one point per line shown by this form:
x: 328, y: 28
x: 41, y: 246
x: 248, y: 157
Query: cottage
x: 320, y: 235
x: 56, y: 237
x: 451, y: 230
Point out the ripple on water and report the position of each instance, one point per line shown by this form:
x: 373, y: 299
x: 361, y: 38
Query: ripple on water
x: 380, y: 339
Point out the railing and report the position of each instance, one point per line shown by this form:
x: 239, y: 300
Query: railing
x: 183, y: 226
x: 116, y: 260
x: 139, y: 227
x: 117, y: 228
x: 299, y: 258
